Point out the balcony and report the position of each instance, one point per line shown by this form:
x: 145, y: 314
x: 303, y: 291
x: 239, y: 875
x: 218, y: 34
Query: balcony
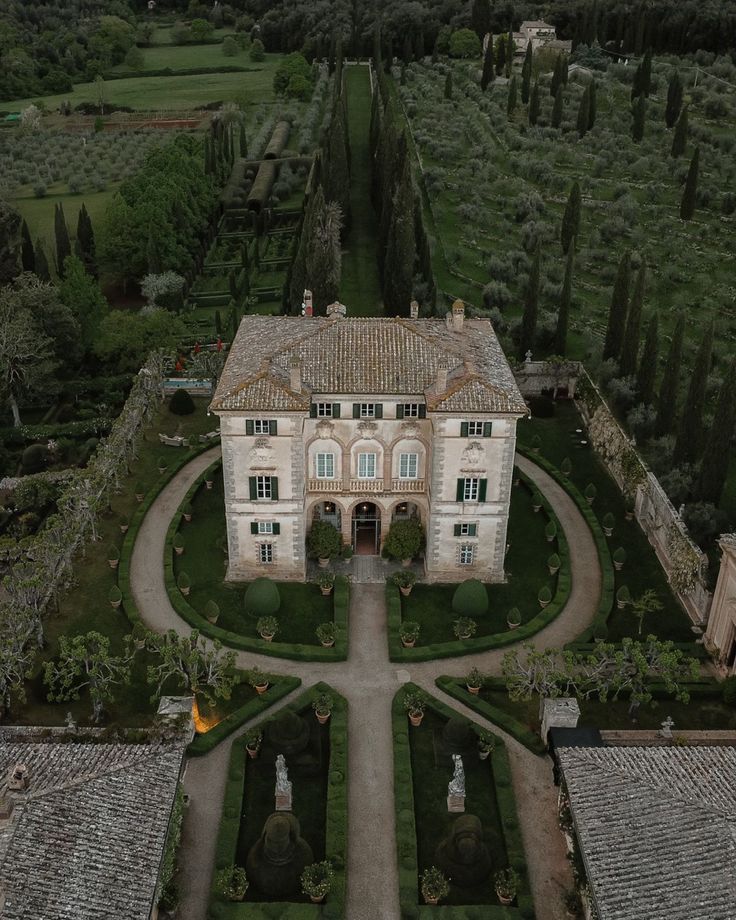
x: 407, y: 485
x: 324, y: 485
x: 363, y: 486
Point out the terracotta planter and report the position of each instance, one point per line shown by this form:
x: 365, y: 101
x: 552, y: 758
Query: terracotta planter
x: 590, y: 502
x: 618, y: 566
x: 162, y: 470
x: 405, y: 563
x: 629, y: 515
x: 553, y: 570
x: 322, y: 717
x: 185, y: 591
x: 620, y: 604
x: 552, y: 538
x: 139, y: 496
x: 484, y: 755
x: 323, y: 562
x: 261, y: 688
x: 543, y: 604
x: 464, y: 636
x: 328, y: 644
x: 139, y: 644
x: 212, y: 620
x: 115, y: 604
x: 179, y: 550
x: 513, y: 625
x: 474, y: 690
x: 536, y: 508
x: 431, y: 900
x: 608, y: 531
x: 416, y: 718
x: 208, y: 483
x: 124, y: 528
x: 113, y: 563
x: 408, y: 643
x: 406, y: 591
x: 504, y: 900
x: 326, y: 591
x: 252, y: 752
x: 268, y: 637
x: 187, y: 518
x: 316, y: 899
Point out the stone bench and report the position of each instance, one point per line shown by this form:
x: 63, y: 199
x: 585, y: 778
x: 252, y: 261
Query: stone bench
x: 210, y: 436
x: 176, y: 441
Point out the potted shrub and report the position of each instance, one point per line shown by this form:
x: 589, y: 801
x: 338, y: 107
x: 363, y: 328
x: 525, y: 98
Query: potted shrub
x: 267, y: 627
x: 324, y: 541
x: 140, y: 634
x: 544, y: 596
x: 590, y: 493
x: 404, y: 581
x: 464, y: 628
x: 404, y: 540
x: 506, y: 883
x: 409, y: 633
x: 326, y: 634
x: 186, y: 512
x: 209, y: 479
x: 184, y: 583
x: 553, y: 564
x: 566, y: 467
x: 623, y: 597
x: 486, y: 744
x: 550, y: 531
x: 322, y: 706
x: 258, y: 680
x: 162, y: 464
x: 513, y: 618
x: 317, y: 880
x: 124, y: 523
x: 434, y: 885
x: 253, y: 740
x: 536, y: 443
x: 178, y: 544
x: 326, y: 581
x: 415, y: 702
x: 231, y: 883
x: 474, y: 680
x: 619, y: 557
x: 139, y: 491
x: 347, y: 552
x: 536, y: 502
x: 600, y: 632
x: 607, y: 523
x: 113, y: 556
x: 211, y: 612
x: 115, y: 596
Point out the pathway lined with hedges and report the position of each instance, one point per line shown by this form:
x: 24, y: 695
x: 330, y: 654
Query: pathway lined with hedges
x: 369, y: 682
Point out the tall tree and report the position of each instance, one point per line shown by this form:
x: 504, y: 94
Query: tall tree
x: 647, y: 373
x: 336, y: 168
x: 510, y: 48
x: 690, y: 432
x: 448, y: 85
x: 401, y: 248
x: 501, y: 46
x: 27, y: 255
x: 674, y: 100
x: 480, y: 18
x: 526, y: 73
x: 592, y: 103
x: 557, y: 108
x: 531, y: 306
x: 556, y: 81
x: 689, y: 194
x: 638, y: 118
x: 86, y: 240
x: 41, y: 261
x: 82, y: 294
x: 679, y: 139
x: 563, y: 314
x: 714, y: 468
x: 534, y: 104
x: 10, y: 243
x: 511, y: 99
x: 243, y: 141
x: 630, y: 345
x: 667, y: 400
x: 570, y: 228
x: 618, y: 310
x: 642, y: 76
x: 584, y: 113
x: 198, y: 666
x: 63, y: 243
x: 324, y: 254
x: 489, y: 73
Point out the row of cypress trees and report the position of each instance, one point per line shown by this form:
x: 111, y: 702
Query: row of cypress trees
x: 33, y: 256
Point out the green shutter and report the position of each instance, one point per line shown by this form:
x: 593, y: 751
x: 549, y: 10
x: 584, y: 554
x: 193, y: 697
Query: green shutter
x: 399, y: 410
x: 336, y: 410
x: 249, y: 426
x: 356, y: 410
x: 275, y: 488
x: 482, y: 487
x: 463, y: 429
x: 313, y: 410
x: 378, y: 410
x: 273, y: 426
x: 253, y: 488
x: 457, y: 530
x: 460, y: 489
x: 276, y: 529
x: 487, y: 429
x: 254, y: 527
x: 472, y: 530
x: 422, y: 410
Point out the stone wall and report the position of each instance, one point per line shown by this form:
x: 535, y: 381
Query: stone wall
x: 537, y: 377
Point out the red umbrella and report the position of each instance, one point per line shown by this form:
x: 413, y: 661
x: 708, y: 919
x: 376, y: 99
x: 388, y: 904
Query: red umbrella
x: 179, y: 366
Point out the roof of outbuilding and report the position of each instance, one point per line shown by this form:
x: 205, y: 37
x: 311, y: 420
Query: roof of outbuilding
x: 86, y: 839
x: 366, y: 356
x: 657, y: 828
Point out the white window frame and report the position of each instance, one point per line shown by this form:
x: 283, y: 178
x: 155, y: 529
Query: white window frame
x: 471, y: 489
x: 263, y: 488
x: 324, y: 410
x: 367, y: 410
x: 262, y: 426
x: 405, y: 466
x: 328, y: 465
x: 475, y: 429
x: 466, y: 555
x: 265, y: 527
x: 364, y: 464
x: 411, y: 410
x: 465, y: 530
x: 265, y: 553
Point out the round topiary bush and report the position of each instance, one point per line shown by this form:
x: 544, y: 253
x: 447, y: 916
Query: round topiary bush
x: 262, y: 597
x: 470, y: 598
x: 181, y: 403
x: 34, y: 458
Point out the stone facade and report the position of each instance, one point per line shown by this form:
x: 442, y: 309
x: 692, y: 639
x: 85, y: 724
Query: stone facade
x: 721, y: 633
x: 362, y: 422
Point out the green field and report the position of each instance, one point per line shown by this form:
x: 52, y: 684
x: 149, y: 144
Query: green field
x: 39, y: 212
x: 179, y: 57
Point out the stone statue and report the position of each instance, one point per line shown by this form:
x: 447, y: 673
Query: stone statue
x: 456, y: 786
x: 282, y: 776
x: 277, y: 859
x: 462, y: 855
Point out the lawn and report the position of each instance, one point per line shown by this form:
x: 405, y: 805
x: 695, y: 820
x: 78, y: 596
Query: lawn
x: 181, y: 57
x: 39, y: 212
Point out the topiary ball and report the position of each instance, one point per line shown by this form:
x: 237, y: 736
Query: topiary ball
x: 458, y: 736
x: 470, y: 599
x: 262, y: 598
x: 34, y: 458
x: 181, y: 403
x: 288, y: 733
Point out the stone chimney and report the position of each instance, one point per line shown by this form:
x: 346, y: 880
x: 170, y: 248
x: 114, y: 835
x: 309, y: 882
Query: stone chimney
x: 295, y: 375
x: 336, y: 309
x: 414, y: 310
x: 18, y: 778
x: 458, y: 316
x: 308, y: 309
x: 441, y: 382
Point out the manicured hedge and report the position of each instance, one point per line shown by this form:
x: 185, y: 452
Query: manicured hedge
x: 336, y: 825
x: 279, y: 687
x: 406, y: 834
x: 292, y: 650
x: 178, y: 72
x: 456, y: 688
x: 458, y: 647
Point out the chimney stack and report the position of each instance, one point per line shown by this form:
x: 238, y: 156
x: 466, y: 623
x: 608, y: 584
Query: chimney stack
x: 308, y: 310
x: 458, y: 316
x: 441, y: 382
x: 414, y: 310
x: 295, y: 375
x: 18, y: 778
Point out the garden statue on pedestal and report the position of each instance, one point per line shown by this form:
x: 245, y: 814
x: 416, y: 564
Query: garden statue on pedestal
x: 277, y: 859
x: 283, y: 786
x: 462, y: 855
x: 456, y: 786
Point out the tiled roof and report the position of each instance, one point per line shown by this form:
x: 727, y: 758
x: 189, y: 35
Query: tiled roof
x: 657, y: 828
x: 366, y: 356
x: 85, y: 840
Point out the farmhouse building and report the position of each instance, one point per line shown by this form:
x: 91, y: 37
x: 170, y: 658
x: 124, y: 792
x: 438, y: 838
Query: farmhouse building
x: 541, y: 35
x: 361, y: 422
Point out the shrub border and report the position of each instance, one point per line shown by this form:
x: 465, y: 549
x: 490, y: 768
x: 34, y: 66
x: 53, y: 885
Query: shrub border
x: 335, y: 824
x: 290, y: 650
x: 406, y: 832
x: 459, y: 647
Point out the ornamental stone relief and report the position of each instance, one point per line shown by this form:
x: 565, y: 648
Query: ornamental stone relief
x: 473, y: 455
x: 367, y: 429
x: 261, y: 453
x: 325, y: 429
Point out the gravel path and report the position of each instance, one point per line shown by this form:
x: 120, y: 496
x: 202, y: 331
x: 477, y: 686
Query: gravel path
x: 369, y: 681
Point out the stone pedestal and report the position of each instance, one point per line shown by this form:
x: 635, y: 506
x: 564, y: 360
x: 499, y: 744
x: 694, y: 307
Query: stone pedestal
x: 455, y: 803
x: 283, y: 801
x: 558, y: 713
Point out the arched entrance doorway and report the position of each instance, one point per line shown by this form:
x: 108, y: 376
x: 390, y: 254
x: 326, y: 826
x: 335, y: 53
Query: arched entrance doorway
x: 366, y: 529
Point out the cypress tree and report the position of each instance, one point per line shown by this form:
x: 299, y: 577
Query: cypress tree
x: 488, y: 72
x: 512, y: 97
x: 592, y: 103
x: 401, y: 248
x: 687, y: 205
x: 674, y: 100
x: 448, y: 85
x: 534, y: 104
x: 526, y: 73
x: 510, y: 45
x: 639, y: 114
x: 153, y: 256
x: 690, y: 432
x: 642, y: 76
x: 86, y: 240
x: 571, y: 218
x: 480, y: 18
x: 556, y: 119
x: 531, y: 307
x: 667, y: 400
x: 584, y: 112
x: 407, y: 52
x: 419, y: 49
x: 63, y: 243
x: 243, y: 142
x: 565, y: 63
x: 556, y: 81
x: 337, y: 173
x: 714, y: 468
x: 501, y: 54
x: 647, y: 372
x: 630, y: 345
x: 27, y: 255
x: 324, y: 254
x: 563, y: 314
x: 42, y: 263
x: 679, y: 139
x: 618, y: 310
